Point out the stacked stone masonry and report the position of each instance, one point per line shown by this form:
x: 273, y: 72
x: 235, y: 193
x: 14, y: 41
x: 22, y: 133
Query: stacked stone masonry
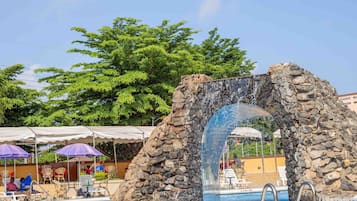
x: 319, y: 135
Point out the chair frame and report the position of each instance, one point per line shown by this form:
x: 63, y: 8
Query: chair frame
x: 47, y: 174
x: 60, y: 174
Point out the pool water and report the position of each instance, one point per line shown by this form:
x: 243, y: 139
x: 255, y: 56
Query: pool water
x: 282, y: 195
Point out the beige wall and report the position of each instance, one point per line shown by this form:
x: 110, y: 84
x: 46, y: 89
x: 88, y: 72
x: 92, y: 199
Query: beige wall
x: 255, y: 164
x: 251, y: 165
x: 350, y: 100
x: 24, y: 169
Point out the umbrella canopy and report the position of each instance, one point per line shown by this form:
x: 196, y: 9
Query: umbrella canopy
x: 9, y: 151
x: 78, y: 149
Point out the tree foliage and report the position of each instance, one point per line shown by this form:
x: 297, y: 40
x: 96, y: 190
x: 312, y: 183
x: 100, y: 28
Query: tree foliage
x: 133, y: 74
x: 16, y: 102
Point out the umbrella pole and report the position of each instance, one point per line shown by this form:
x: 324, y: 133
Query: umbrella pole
x: 256, y: 148
x: 115, y: 159
x: 276, y: 163
x: 262, y: 148
x: 68, y: 169
x: 5, y: 178
x: 95, y: 161
x: 79, y: 168
x: 36, y: 159
x: 14, y: 168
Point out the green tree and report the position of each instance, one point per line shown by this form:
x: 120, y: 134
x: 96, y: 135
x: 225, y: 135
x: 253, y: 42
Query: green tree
x: 133, y: 74
x: 16, y: 102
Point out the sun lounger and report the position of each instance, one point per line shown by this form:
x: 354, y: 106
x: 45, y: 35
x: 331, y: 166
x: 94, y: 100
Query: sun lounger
x: 232, y: 180
x: 12, y: 196
x: 282, y: 175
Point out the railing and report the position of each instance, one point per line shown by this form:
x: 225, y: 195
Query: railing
x: 48, y: 197
x: 309, y: 184
x: 273, y: 189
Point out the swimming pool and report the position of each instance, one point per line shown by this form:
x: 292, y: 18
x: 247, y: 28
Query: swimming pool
x: 282, y: 195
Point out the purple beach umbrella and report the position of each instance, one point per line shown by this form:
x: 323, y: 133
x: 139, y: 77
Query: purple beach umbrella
x: 9, y: 151
x: 77, y: 149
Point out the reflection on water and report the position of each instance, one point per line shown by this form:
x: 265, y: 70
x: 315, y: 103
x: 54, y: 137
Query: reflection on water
x: 215, y: 134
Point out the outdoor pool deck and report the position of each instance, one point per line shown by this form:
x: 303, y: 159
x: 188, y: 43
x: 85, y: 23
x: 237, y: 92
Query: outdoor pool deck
x: 258, y: 181
x: 50, y: 188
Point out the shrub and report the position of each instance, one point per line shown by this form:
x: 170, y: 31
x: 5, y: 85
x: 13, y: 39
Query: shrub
x: 100, y: 176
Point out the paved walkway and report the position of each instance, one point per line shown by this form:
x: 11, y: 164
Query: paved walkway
x: 50, y: 188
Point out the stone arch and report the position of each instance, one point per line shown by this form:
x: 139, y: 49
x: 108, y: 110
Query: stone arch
x: 319, y: 134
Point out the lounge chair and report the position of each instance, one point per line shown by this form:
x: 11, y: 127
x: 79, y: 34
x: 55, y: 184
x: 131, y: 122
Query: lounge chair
x: 59, y: 174
x: 110, y: 170
x: 232, y: 180
x: 282, y: 175
x: 47, y: 174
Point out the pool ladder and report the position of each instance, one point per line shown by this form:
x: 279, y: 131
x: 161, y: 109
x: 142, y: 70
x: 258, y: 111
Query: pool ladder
x: 275, y: 194
x: 309, y: 184
x: 273, y: 189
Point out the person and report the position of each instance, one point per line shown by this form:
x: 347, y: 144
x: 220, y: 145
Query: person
x: 237, y: 161
x: 25, y: 183
x: 11, y: 186
x: 100, y: 167
x: 89, y: 169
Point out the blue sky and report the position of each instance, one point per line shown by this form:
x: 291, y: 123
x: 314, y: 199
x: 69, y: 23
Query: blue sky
x: 318, y: 35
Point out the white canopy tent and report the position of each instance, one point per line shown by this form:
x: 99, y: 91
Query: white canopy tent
x: 247, y: 132
x: 63, y: 134
x: 277, y: 134
x: 66, y: 134
x: 121, y: 134
x: 13, y: 134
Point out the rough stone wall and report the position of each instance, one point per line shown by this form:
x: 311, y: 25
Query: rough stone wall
x: 318, y: 132
x: 168, y: 166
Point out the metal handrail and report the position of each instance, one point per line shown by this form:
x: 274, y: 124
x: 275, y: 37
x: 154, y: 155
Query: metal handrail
x: 273, y: 189
x: 308, y: 183
x: 44, y: 190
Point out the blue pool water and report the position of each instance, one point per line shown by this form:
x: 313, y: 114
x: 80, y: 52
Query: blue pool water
x: 282, y: 195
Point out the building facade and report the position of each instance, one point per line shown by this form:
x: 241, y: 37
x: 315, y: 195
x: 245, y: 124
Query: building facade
x: 350, y: 100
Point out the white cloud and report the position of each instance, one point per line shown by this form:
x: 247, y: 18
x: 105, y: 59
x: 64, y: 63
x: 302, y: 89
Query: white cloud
x: 30, y: 78
x: 209, y: 8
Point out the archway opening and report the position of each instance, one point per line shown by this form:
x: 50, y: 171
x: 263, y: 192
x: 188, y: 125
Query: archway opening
x: 218, y: 136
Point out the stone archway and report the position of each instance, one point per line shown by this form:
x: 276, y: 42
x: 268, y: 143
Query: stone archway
x: 319, y: 134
